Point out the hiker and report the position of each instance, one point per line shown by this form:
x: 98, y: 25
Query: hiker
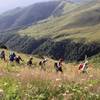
x: 42, y: 64
x: 30, y: 63
x: 83, y: 67
x: 18, y: 59
x: 12, y: 57
x: 58, y: 66
x: 2, y: 55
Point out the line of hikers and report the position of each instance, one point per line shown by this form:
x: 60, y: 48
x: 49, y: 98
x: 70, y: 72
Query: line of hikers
x: 57, y: 65
x: 14, y: 58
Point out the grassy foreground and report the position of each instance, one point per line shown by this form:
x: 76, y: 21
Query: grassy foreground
x: 20, y: 82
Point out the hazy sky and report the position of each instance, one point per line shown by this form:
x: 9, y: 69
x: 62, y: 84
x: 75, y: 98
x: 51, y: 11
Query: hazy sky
x: 10, y: 4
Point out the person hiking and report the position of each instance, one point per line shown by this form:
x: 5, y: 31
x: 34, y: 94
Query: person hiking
x: 2, y: 55
x: 12, y: 57
x: 42, y: 64
x: 80, y: 66
x: 30, y: 63
x: 83, y: 67
x: 58, y: 66
x: 18, y: 59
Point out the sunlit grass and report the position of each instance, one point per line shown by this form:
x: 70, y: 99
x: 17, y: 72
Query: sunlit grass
x: 20, y: 82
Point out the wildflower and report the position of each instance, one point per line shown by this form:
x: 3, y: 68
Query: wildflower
x: 91, y: 76
x: 58, y: 79
x: 26, y: 94
x: 78, y: 91
x: 53, y: 98
x: 1, y: 91
x: 83, y: 79
x: 16, y: 86
x: 74, y: 90
x: 90, y: 85
x: 64, y: 94
x: 18, y: 75
x: 97, y: 95
x: 67, y: 91
x: 92, y: 94
x: 5, y: 84
x: 86, y: 88
x: 59, y: 86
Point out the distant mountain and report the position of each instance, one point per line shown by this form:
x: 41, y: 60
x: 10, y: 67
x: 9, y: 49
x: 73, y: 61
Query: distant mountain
x: 81, y: 1
x: 27, y: 16
x: 11, y: 12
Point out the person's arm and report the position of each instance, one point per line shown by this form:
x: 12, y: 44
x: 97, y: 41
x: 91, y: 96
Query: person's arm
x: 21, y: 59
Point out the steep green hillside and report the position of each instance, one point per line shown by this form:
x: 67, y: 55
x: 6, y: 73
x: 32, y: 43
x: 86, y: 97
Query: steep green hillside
x: 22, y: 82
x: 81, y: 1
x: 79, y: 23
x: 72, y: 35
x: 64, y: 7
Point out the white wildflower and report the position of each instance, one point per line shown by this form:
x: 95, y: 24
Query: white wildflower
x: 1, y: 91
x: 90, y: 85
x: 58, y: 79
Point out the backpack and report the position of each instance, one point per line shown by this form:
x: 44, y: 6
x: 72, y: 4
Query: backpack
x: 11, y: 58
x: 56, y: 65
x: 1, y: 54
x: 40, y: 63
x: 80, y: 66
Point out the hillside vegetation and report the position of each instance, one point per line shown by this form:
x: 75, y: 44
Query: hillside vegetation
x: 82, y: 22
x: 20, y: 82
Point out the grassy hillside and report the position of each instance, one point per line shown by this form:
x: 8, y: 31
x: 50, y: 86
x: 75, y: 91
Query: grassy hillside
x: 80, y: 23
x: 81, y: 1
x: 20, y: 82
x: 64, y: 7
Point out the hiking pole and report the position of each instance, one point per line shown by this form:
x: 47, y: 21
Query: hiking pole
x: 86, y: 57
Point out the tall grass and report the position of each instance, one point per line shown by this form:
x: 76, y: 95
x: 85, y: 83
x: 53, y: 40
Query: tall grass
x: 20, y: 82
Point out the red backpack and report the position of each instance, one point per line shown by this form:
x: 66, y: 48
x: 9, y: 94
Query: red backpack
x: 80, y: 66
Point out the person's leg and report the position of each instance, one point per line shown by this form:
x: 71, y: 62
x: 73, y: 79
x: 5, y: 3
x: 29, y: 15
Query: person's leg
x: 60, y: 69
x: 42, y: 67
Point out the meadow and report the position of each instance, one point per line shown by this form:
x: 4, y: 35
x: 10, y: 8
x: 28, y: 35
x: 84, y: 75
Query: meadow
x: 21, y: 82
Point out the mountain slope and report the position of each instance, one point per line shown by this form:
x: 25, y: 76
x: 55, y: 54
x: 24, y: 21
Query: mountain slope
x: 81, y: 1
x: 71, y: 35
x: 81, y: 19
x: 27, y: 16
x: 64, y: 7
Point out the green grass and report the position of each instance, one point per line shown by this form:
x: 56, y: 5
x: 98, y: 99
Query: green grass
x: 20, y: 82
x: 42, y: 90
x: 56, y: 26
